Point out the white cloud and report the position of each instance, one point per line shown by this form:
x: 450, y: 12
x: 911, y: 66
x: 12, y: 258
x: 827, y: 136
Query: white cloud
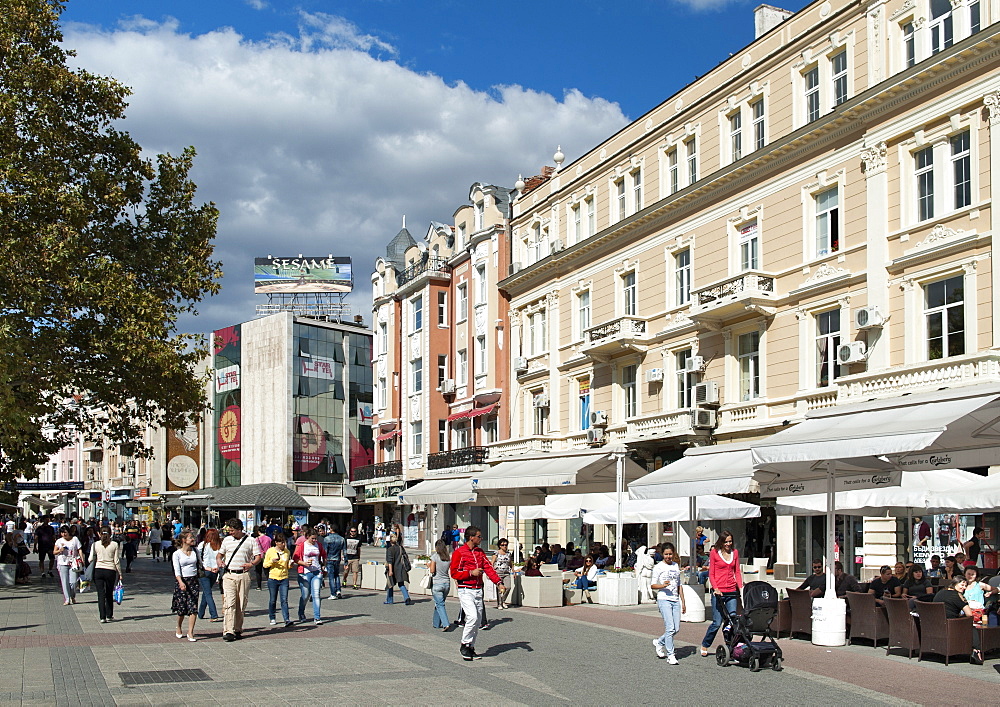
x: 707, y: 5
x: 312, y: 145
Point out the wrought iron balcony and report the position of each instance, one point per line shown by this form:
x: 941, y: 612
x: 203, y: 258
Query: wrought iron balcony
x: 431, y: 264
x: 750, y: 292
x: 623, y: 333
x: 457, y: 457
x: 381, y: 470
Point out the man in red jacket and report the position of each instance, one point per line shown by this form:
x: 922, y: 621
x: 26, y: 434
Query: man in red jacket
x: 468, y: 564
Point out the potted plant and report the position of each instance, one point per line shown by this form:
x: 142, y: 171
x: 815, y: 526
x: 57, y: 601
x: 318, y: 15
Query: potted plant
x: 618, y: 586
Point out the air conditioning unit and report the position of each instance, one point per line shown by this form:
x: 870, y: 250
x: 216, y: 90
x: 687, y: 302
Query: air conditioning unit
x: 540, y: 401
x: 598, y: 418
x: 654, y: 375
x: 514, y: 268
x: 694, y: 364
x: 853, y: 352
x: 706, y: 394
x: 868, y: 318
x: 703, y: 419
x: 595, y: 435
x: 557, y: 245
x: 448, y: 386
x: 521, y: 364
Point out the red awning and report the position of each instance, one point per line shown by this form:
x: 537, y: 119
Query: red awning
x: 474, y: 412
x: 388, y: 435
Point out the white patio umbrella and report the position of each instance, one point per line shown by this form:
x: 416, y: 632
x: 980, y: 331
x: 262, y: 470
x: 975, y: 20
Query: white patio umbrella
x: 673, y: 510
x: 566, y: 506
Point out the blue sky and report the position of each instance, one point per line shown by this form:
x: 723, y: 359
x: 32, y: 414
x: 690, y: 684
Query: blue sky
x: 320, y: 124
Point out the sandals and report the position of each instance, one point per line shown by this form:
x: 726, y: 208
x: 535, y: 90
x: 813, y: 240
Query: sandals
x: 704, y: 652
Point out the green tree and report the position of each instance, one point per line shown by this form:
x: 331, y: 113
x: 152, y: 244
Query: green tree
x: 103, y: 250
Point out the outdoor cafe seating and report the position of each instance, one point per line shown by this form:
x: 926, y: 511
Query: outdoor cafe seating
x: 868, y: 620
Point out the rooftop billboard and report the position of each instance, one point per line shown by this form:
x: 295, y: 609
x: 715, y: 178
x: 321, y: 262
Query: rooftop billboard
x: 302, y: 274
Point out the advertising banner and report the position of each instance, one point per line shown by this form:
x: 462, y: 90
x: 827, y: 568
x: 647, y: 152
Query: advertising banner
x: 228, y: 451
x: 842, y: 482
x: 310, y: 445
x: 319, y: 367
x: 302, y: 274
x: 183, y: 453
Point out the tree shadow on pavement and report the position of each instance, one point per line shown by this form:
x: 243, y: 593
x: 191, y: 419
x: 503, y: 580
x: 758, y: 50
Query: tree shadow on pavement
x: 505, y: 647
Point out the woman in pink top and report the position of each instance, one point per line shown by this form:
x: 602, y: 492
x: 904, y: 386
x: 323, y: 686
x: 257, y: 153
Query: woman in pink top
x: 724, y: 574
x: 264, y: 540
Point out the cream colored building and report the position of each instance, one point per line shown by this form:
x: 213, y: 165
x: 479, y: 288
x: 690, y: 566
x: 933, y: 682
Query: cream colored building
x: 809, y: 224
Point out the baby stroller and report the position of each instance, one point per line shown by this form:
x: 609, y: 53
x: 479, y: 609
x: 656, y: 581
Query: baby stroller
x: 760, y: 606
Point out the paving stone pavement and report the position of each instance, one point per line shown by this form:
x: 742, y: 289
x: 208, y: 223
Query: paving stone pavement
x: 370, y: 653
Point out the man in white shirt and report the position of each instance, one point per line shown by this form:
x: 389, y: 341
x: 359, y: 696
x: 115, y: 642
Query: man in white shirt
x: 238, y: 555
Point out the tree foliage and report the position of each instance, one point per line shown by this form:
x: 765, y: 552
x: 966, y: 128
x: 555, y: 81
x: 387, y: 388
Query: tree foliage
x: 103, y: 250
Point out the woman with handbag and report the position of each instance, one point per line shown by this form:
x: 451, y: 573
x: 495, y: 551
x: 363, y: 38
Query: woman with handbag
x: 310, y: 556
x: 502, y: 564
x: 208, y: 573
x: 278, y: 561
x: 69, y: 560
x: 397, y: 569
x: 437, y: 572
x: 106, y: 555
x: 185, y: 599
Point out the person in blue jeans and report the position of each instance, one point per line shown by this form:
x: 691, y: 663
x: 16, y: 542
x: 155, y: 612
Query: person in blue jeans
x: 334, y: 545
x: 397, y: 569
x: 278, y: 561
x: 440, y: 583
x: 208, y: 550
x: 310, y: 556
x: 666, y: 583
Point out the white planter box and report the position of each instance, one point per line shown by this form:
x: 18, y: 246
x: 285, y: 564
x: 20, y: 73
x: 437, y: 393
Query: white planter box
x: 541, y: 591
x: 416, y: 574
x: 618, y: 589
x: 373, y: 576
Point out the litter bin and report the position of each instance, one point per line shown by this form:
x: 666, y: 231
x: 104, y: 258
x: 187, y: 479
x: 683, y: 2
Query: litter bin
x: 829, y: 622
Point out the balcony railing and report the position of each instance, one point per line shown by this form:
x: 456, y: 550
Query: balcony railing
x: 623, y: 326
x: 748, y: 283
x: 417, y: 269
x: 381, y: 470
x: 457, y: 457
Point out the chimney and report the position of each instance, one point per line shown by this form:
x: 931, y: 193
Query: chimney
x: 359, y: 319
x: 767, y: 17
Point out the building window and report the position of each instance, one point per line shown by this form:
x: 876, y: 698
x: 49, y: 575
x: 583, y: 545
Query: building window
x: 944, y: 312
x: 416, y: 438
x: 463, y: 302
x: 629, y: 294
x: 909, y: 45
x: 461, y: 435
x: 620, y: 191
x: 941, y: 25
x: 481, y: 284
x: 577, y: 224
x: 923, y: 162
x: 417, y: 306
x: 758, y: 124
x: 673, y: 172
x: 460, y: 237
x: 630, y: 391
x: 975, y: 19
x: 417, y: 375
x: 463, y: 368
x: 637, y: 190
x: 481, y: 361
x: 383, y: 394
x: 961, y: 163
x: 442, y: 308
x: 691, y: 146
x: 811, y: 79
x: 591, y: 216
x: 540, y: 416
x: 583, y: 312
x: 69, y: 469
x: 491, y: 429
x: 827, y: 342
x: 479, y: 210
x: 682, y: 277
x: 442, y: 369
x: 583, y: 402
x: 537, y: 333
x: 749, y: 241
x: 736, y: 136
x: 827, y: 222
x: 383, y: 337
x: 684, y: 385
x: 442, y: 435
x: 838, y: 66
x: 748, y: 353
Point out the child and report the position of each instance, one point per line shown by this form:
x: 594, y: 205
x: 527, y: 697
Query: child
x: 667, y: 584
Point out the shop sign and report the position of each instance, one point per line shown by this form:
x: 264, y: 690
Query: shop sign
x: 958, y: 459
x: 846, y: 482
x: 383, y: 492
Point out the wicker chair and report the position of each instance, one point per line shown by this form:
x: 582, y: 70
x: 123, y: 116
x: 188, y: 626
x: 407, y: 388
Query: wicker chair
x: 867, y: 619
x: 943, y: 636
x: 801, y: 605
x: 903, y: 631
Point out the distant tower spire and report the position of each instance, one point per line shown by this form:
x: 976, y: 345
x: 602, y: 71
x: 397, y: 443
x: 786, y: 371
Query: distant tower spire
x: 404, y: 220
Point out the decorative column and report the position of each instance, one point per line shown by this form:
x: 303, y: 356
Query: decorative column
x: 873, y: 159
x: 992, y: 103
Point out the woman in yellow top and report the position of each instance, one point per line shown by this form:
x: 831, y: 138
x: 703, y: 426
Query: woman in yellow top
x: 278, y: 560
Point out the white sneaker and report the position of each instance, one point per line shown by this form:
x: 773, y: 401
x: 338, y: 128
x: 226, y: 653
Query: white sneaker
x: 660, y: 650
x: 672, y: 660
x: 317, y: 622
x: 273, y: 622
